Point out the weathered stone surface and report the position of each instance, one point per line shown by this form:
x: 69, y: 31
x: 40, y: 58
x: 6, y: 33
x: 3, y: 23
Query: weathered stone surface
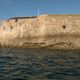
x: 45, y: 31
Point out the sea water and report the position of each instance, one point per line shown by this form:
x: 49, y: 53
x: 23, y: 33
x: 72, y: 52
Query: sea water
x: 39, y: 64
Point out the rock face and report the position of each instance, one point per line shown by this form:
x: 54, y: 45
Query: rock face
x: 45, y: 31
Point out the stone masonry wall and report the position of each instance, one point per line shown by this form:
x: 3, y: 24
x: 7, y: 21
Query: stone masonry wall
x: 45, y: 31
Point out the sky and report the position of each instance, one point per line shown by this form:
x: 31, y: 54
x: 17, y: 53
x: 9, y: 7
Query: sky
x: 13, y: 8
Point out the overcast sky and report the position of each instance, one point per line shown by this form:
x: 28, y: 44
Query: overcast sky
x: 11, y: 8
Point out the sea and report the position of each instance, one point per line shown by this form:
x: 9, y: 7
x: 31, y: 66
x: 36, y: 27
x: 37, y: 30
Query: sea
x: 39, y: 64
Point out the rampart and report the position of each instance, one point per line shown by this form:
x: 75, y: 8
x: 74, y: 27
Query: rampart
x: 44, y: 31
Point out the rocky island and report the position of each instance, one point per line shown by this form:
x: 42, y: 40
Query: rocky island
x: 44, y: 31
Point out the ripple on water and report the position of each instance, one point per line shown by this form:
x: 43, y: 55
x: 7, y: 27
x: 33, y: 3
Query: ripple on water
x: 38, y: 64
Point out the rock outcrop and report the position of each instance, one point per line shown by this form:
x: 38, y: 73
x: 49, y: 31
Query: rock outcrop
x: 45, y: 31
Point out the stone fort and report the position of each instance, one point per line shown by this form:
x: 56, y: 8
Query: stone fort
x: 44, y: 31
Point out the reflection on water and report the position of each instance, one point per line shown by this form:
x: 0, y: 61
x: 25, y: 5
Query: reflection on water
x: 38, y: 64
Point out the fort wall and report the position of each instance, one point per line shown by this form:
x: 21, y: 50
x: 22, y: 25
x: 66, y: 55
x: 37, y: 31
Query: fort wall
x: 44, y: 31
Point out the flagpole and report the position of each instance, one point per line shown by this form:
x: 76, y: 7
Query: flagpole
x: 38, y: 12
